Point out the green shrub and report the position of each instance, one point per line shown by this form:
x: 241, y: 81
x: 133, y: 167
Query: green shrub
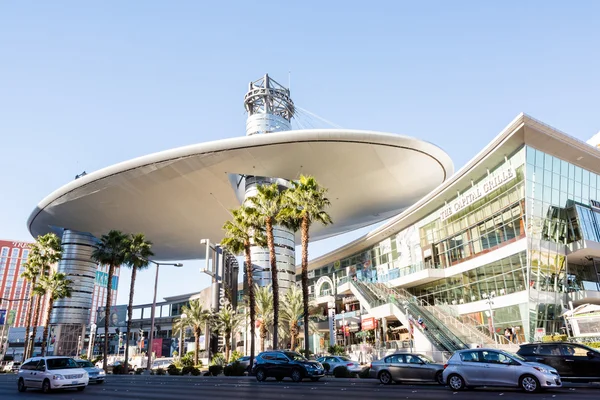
x: 234, y: 369
x: 235, y: 355
x: 218, y: 359
x: 595, y: 345
x: 188, y: 359
x: 336, y: 350
x: 190, y: 370
x: 173, y: 370
x: 326, y: 367
x: 341, y: 372
x: 160, y: 371
x: 364, y: 373
x: 215, y: 370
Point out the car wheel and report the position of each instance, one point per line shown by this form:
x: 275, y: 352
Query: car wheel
x: 296, y: 375
x: 46, y: 388
x: 456, y: 382
x: 529, y: 383
x: 314, y: 379
x: 279, y: 378
x: 21, y: 385
x: 261, y: 375
x: 439, y: 378
x: 81, y: 388
x: 385, y: 377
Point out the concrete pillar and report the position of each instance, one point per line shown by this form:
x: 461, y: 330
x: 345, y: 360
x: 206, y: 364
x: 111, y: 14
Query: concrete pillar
x: 71, y: 315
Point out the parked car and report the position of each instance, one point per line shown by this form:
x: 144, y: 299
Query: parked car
x: 111, y: 367
x: 244, y: 362
x: 280, y: 364
x: 96, y: 375
x: 53, y: 372
x: 11, y: 366
x: 337, y: 361
x: 573, y: 361
x: 162, y: 363
x: 492, y: 367
x: 403, y: 367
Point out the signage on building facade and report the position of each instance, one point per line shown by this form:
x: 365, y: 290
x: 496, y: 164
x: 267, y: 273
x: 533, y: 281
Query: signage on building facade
x: 477, y: 192
x: 102, y: 280
x: 368, y: 324
x: 595, y: 204
x: 332, y: 326
x: 349, y: 299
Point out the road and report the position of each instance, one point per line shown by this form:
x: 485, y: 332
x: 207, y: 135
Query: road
x: 183, y: 387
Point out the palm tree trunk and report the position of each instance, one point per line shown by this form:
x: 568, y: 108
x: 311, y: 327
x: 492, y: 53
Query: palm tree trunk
x: 47, y: 325
x: 36, y: 318
x: 293, y: 337
x: 263, y: 336
x: 275, y: 281
x: 252, y: 300
x: 304, y: 231
x: 129, y: 316
x: 111, y: 271
x: 28, y: 323
x: 197, y: 343
x: 227, y: 341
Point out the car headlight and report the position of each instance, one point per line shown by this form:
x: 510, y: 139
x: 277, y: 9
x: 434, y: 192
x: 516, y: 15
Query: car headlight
x: 57, y: 377
x: 542, y: 369
x: 101, y: 372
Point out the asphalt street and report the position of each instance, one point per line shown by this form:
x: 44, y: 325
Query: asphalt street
x: 182, y: 388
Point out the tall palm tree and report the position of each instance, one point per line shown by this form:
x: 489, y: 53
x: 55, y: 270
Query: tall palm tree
x: 136, y: 258
x: 241, y: 233
x: 306, y: 203
x: 30, y: 274
x: 227, y: 321
x: 47, y: 251
x: 264, y: 309
x: 112, y: 251
x: 196, y: 318
x: 268, y: 203
x: 55, y: 286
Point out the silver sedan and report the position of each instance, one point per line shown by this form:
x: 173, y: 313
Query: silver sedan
x: 404, y: 367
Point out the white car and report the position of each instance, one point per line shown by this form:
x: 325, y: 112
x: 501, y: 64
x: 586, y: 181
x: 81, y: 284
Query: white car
x: 343, y: 361
x: 52, y: 372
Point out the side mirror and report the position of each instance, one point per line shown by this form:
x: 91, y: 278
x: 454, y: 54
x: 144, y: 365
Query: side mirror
x: 41, y: 368
x: 592, y: 354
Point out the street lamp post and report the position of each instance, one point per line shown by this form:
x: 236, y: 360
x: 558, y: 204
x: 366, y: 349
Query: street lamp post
x: 91, y: 341
x: 182, y: 316
x: 490, y: 303
x: 153, y: 312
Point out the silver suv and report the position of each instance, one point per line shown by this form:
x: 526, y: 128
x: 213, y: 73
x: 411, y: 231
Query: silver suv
x: 492, y: 367
x: 53, y: 372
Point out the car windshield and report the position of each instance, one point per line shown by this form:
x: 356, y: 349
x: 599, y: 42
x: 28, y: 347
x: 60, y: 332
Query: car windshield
x: 85, y: 364
x: 295, y: 356
x: 61, y: 363
x: 343, y: 358
x: 425, y: 359
x: 515, y: 356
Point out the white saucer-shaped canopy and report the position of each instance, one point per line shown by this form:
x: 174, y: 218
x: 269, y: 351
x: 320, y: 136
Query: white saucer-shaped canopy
x: 179, y: 196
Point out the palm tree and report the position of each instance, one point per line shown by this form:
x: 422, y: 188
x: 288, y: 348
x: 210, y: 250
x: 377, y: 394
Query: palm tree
x: 241, y: 233
x: 45, y: 251
x: 196, y: 319
x: 55, y: 286
x: 227, y: 321
x: 306, y: 203
x: 30, y: 274
x: 112, y: 251
x: 268, y: 204
x: 292, y: 312
x: 136, y: 258
x: 264, y: 309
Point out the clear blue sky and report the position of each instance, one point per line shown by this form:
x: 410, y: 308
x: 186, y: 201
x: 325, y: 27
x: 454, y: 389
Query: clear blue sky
x: 84, y: 85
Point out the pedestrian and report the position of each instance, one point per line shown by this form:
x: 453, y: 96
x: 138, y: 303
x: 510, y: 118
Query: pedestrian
x: 507, y: 335
x: 514, y: 336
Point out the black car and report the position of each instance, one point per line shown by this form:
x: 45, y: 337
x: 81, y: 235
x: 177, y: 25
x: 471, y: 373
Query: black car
x: 281, y: 363
x: 573, y: 361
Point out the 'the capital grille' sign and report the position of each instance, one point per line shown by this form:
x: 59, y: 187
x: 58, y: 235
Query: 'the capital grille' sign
x: 595, y: 204
x: 476, y: 192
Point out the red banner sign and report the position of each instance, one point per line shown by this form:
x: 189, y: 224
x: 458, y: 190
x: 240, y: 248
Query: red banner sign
x: 369, y: 324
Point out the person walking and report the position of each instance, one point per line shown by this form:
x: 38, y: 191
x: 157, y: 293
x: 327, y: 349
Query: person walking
x: 507, y: 334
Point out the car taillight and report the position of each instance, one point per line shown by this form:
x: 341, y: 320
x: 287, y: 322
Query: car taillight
x: 350, y: 364
x: 445, y: 366
x: 370, y: 366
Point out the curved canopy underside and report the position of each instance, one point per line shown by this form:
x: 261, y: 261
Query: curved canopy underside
x: 179, y: 196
